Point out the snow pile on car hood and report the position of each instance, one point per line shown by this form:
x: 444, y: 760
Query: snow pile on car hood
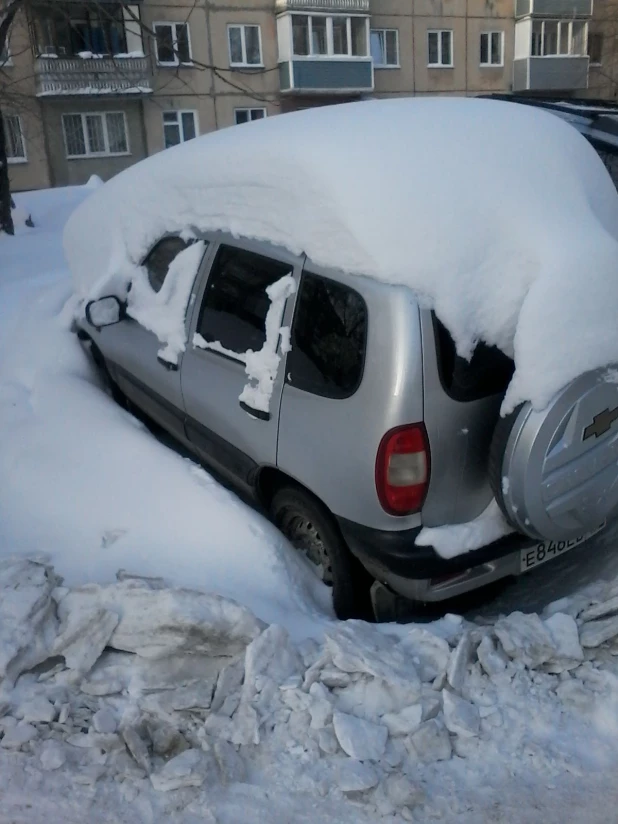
x: 500, y: 217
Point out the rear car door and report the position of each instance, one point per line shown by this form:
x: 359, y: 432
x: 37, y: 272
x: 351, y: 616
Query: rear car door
x: 234, y: 435
x: 135, y: 354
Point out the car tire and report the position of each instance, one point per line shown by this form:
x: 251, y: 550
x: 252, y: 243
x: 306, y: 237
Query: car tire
x: 554, y: 471
x: 309, y: 527
x: 497, y: 449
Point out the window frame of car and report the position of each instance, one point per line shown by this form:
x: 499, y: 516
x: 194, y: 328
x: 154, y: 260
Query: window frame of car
x: 216, y: 240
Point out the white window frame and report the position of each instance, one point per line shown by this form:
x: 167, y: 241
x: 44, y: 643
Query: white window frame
x: 243, y: 42
x: 561, y: 23
x: 21, y: 158
x: 176, y: 61
x: 490, y: 35
x: 330, y: 40
x: 440, y: 64
x: 88, y: 154
x: 250, y: 109
x: 179, y: 113
x: 397, y: 64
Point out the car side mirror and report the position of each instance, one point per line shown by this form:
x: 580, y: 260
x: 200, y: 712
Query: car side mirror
x: 105, y: 311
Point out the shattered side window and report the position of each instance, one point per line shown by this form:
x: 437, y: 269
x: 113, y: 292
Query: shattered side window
x: 236, y: 303
x: 488, y: 372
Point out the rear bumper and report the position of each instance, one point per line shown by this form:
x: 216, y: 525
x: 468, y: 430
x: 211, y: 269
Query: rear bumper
x: 419, y: 573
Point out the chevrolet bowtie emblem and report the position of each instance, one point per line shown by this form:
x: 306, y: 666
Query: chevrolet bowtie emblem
x: 601, y: 423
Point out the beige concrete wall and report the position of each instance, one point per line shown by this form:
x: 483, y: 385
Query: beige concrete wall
x: 65, y: 172
x: 603, y: 79
x: 17, y: 97
x: 153, y: 116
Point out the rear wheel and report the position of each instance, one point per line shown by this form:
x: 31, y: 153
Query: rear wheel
x: 310, y: 528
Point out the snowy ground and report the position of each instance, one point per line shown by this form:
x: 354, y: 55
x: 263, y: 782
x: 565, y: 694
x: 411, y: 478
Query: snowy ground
x: 136, y: 700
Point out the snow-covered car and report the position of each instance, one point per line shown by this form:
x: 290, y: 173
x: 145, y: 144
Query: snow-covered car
x: 392, y: 322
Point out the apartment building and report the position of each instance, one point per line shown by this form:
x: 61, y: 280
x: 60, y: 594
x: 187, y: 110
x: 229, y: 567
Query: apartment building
x: 91, y: 87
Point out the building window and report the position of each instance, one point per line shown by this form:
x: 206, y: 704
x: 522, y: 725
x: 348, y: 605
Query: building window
x: 329, y: 36
x: 245, y: 44
x: 172, y: 44
x: 14, y: 139
x: 595, y: 48
x: 64, y: 29
x: 440, y: 48
x: 492, y: 48
x: 178, y: 127
x: 385, y: 48
x: 557, y: 38
x: 95, y: 135
x: 246, y: 115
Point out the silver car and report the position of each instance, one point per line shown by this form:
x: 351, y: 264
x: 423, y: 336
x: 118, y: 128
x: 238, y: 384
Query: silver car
x: 374, y: 429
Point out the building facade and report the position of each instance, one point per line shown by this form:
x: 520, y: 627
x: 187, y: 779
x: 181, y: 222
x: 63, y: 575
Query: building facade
x: 92, y: 87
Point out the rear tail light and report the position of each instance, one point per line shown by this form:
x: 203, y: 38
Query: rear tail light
x: 402, y: 469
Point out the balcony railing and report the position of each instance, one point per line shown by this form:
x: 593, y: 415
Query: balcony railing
x: 346, y: 6
x: 548, y: 74
x: 565, y: 9
x: 78, y: 76
x: 352, y: 75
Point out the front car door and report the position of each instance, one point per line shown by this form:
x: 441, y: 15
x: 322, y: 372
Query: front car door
x: 135, y: 354
x: 237, y: 435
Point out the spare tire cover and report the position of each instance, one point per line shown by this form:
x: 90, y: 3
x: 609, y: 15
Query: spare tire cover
x: 559, y: 470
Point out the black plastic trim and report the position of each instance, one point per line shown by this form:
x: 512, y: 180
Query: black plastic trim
x: 397, y: 553
x: 255, y: 413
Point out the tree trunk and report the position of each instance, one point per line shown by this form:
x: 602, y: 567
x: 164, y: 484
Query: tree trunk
x: 6, y: 217
x: 7, y: 14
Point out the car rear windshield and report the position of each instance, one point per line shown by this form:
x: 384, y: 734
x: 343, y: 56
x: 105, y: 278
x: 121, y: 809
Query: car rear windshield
x: 488, y: 372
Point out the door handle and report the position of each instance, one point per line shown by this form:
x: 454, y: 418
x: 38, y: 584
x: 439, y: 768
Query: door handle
x: 255, y: 413
x: 171, y: 367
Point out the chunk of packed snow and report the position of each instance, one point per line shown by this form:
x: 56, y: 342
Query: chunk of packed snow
x: 536, y: 277
x: 595, y: 633
x: 565, y: 635
x: 431, y: 742
x: 358, y: 647
x: 360, y: 739
x: 460, y: 716
x: 155, y: 623
x: 430, y: 653
x: 27, y: 615
x: 526, y: 638
x: 456, y: 539
x: 458, y: 661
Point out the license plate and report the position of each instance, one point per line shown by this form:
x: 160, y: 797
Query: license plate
x: 534, y: 556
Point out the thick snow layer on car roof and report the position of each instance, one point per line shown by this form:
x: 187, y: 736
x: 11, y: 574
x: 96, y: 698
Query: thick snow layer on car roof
x: 500, y: 217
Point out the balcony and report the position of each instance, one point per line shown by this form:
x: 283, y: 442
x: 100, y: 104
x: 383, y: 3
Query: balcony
x: 548, y: 74
x: 320, y: 76
x: 553, y: 8
x: 61, y: 76
x: 324, y: 53
x: 335, y: 6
